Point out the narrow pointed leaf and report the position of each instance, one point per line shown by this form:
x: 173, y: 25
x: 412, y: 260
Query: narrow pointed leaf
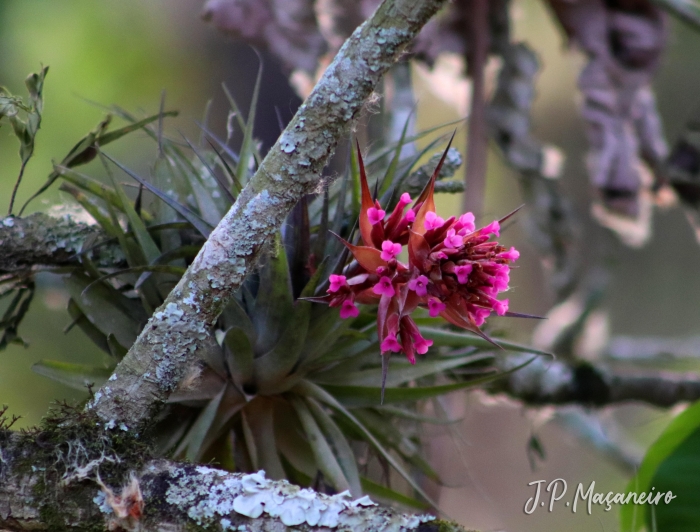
x: 310, y: 389
x: 222, y: 185
x: 382, y: 492
x: 281, y: 360
x: 107, y: 309
x: 367, y: 396
x: 235, y: 316
x: 148, y: 246
x: 274, y: 304
x: 407, y: 372
x: 338, y: 444
x: 89, y: 184
x: 92, y: 208
x: 92, y: 332
x: 117, y: 350
x: 239, y: 357
x: 388, y: 180
x: 449, y: 338
x: 154, y: 268
x: 203, y: 227
x: 261, y: 422
x: 76, y: 376
x: 325, y: 459
x: 249, y: 441
x: 247, y: 145
x: 196, y: 435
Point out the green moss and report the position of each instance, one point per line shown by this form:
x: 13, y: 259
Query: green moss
x: 440, y: 525
x: 69, y: 447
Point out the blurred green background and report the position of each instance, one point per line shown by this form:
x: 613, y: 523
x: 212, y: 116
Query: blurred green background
x: 126, y: 52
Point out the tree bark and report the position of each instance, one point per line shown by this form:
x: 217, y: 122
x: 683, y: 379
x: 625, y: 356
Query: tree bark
x: 47, y: 485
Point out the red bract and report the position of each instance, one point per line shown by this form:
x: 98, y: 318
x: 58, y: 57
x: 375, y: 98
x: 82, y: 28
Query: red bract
x: 454, y: 270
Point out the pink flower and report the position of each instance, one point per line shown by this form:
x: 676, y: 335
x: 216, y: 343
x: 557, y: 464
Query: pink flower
x: 390, y: 343
x: 375, y: 215
x: 410, y: 216
x: 389, y: 250
x: 453, y: 240
x: 501, y: 307
x: 492, y: 228
x: 432, y: 221
x: 337, y: 282
x: 480, y: 315
x: 435, y: 307
x: 384, y: 287
x: 421, y: 344
x: 465, y: 224
x: 349, y: 310
x: 404, y: 200
x: 419, y: 285
x: 512, y: 254
x: 462, y: 272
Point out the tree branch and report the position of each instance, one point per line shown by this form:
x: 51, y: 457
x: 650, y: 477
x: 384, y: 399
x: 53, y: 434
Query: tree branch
x: 41, y: 240
x: 545, y: 382
x: 51, y: 480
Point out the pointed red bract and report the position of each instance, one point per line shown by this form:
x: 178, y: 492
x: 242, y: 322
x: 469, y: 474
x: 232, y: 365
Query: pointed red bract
x: 367, y: 203
x: 369, y: 258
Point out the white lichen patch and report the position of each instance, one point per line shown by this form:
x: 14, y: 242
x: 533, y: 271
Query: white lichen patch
x: 170, y: 315
x: 209, y: 495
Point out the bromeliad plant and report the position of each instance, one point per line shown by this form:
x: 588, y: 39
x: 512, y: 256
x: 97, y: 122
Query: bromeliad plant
x: 285, y: 385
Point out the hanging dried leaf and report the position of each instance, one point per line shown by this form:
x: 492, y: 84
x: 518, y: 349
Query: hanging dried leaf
x: 287, y: 28
x: 624, y: 40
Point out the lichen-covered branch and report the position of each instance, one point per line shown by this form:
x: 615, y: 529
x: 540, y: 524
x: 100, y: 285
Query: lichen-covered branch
x: 68, y: 477
x: 545, y: 382
x: 157, y: 361
x: 41, y: 240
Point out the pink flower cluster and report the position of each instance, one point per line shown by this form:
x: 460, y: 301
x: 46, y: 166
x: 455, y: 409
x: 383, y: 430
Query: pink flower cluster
x: 454, y: 270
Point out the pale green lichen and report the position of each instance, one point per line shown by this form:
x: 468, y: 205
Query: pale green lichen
x: 211, y: 495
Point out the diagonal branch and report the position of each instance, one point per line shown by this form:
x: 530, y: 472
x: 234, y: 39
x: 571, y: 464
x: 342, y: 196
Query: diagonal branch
x: 158, y: 359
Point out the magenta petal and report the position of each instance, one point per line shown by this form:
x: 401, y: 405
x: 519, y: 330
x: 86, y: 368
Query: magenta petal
x: 492, y: 228
x: 390, y: 250
x: 435, y: 307
x: 375, y: 215
x: 466, y: 223
x: 512, y: 254
x: 390, y: 343
x: 501, y: 307
x: 384, y: 287
x: 349, y: 310
x: 419, y: 285
x: 421, y: 345
x: 432, y: 221
x: 337, y: 281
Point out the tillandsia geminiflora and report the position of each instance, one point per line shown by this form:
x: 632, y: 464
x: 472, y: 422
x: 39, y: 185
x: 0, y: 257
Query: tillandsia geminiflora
x: 453, y: 270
